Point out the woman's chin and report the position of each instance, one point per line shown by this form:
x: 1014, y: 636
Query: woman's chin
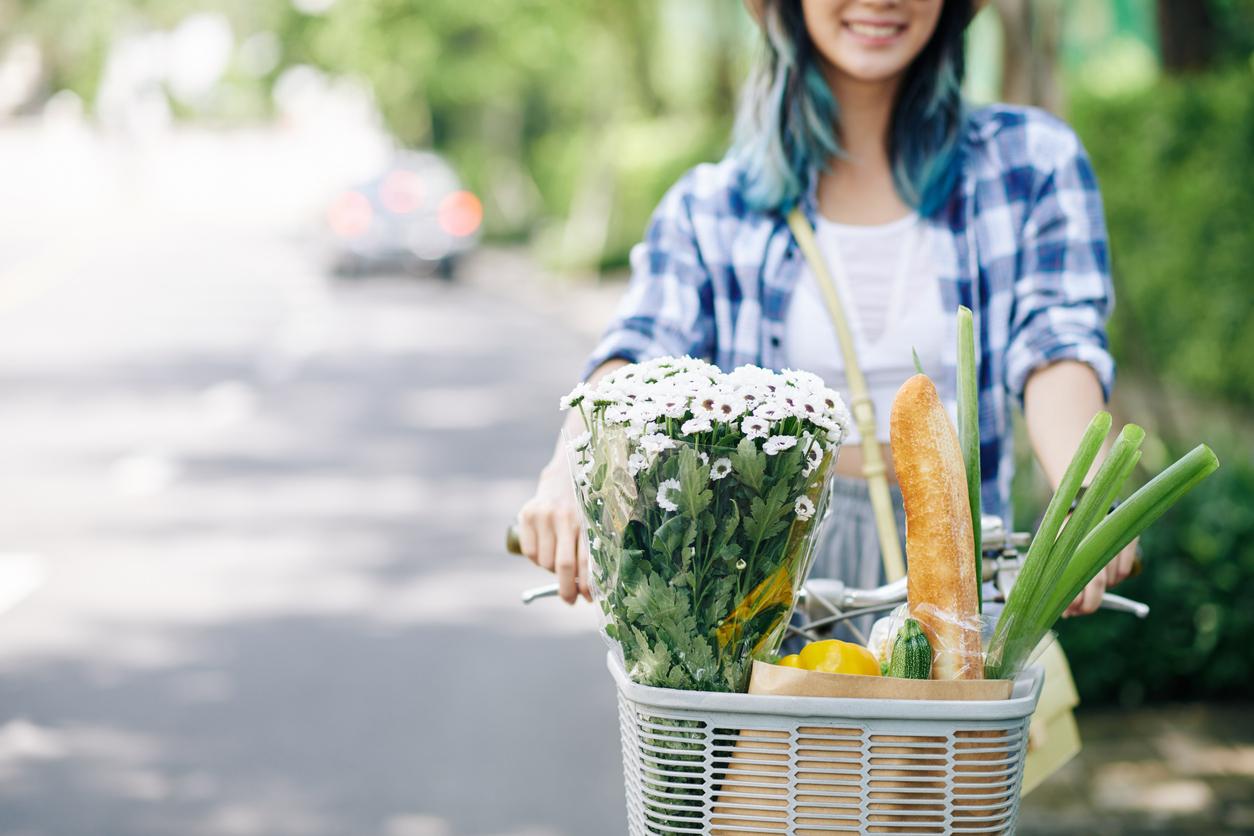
x: 871, y: 69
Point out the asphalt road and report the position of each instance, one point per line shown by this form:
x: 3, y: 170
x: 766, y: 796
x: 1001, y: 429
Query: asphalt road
x: 261, y: 516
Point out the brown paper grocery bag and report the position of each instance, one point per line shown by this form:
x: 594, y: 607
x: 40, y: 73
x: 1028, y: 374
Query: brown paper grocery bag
x: 794, y: 682
x: 830, y: 761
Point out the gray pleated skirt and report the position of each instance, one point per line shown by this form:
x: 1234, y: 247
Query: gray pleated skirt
x: 848, y: 546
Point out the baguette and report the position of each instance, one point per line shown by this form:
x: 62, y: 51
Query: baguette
x: 940, y: 544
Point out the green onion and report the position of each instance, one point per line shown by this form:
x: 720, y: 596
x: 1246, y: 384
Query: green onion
x: 969, y: 434
x: 1011, y: 625
x: 1020, y: 629
x: 1129, y: 520
x: 1106, y: 485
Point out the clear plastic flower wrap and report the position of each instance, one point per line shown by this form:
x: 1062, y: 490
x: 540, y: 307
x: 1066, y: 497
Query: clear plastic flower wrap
x: 702, y: 493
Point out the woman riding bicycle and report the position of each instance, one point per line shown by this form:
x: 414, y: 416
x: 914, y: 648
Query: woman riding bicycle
x: 921, y: 204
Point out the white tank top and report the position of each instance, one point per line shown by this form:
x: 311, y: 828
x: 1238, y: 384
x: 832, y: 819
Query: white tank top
x: 892, y: 299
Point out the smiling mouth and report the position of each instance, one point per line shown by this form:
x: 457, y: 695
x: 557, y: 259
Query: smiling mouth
x: 877, y: 31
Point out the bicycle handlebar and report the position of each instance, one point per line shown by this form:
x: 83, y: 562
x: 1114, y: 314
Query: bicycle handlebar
x: 850, y: 598
x: 829, y: 597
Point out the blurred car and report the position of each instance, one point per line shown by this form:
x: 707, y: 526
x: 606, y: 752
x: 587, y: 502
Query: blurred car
x: 414, y: 217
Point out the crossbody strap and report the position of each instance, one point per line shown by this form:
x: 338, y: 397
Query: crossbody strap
x: 873, y: 467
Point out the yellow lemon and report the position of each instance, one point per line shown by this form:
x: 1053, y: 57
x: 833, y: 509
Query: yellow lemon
x: 793, y: 661
x: 834, y: 656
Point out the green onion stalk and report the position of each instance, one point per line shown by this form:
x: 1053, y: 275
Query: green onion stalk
x: 1059, y: 565
x: 969, y: 434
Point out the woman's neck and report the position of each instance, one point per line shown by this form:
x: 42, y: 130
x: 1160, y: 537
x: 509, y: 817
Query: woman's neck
x: 858, y: 187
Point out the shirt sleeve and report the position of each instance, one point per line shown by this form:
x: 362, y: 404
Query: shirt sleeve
x: 668, y: 306
x: 1063, y: 293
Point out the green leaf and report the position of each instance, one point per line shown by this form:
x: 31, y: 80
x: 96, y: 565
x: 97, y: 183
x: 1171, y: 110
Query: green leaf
x: 726, y: 530
x: 694, y: 483
x: 749, y: 463
x: 669, y: 536
x: 764, y: 520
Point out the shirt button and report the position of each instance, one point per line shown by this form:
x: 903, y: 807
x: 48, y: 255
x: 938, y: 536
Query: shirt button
x: 775, y: 342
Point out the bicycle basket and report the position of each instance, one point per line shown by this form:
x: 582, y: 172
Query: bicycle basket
x: 722, y: 764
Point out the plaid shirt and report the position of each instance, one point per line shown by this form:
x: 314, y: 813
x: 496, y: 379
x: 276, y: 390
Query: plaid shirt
x: 1022, y: 242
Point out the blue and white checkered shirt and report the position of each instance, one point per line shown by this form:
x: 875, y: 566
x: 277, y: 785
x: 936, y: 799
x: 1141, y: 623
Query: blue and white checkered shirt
x: 1022, y: 243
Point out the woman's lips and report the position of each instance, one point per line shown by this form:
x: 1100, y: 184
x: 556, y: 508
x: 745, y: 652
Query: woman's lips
x: 874, y: 33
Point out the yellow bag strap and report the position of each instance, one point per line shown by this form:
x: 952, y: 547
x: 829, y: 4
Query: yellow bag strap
x: 873, y: 467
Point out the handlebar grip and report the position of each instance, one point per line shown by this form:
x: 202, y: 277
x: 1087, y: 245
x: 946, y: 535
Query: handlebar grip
x: 513, y: 544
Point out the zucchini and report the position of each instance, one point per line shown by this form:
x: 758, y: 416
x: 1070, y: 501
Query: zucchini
x: 912, y: 653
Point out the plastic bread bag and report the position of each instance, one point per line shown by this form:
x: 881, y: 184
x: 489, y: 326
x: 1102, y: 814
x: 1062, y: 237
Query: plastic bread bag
x: 957, y: 641
x: 884, y: 634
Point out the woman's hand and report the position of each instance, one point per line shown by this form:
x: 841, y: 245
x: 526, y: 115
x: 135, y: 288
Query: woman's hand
x: 1091, y: 598
x: 551, y: 534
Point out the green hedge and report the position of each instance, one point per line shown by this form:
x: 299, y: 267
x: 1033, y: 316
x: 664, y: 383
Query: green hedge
x: 1176, y: 167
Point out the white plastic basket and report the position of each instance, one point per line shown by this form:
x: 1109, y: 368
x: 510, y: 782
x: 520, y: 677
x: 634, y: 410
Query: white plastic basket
x: 721, y: 764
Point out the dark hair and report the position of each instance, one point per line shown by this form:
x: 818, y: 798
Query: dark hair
x: 787, y: 126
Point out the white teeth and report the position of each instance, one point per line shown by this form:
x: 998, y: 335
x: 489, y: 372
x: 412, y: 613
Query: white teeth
x: 872, y: 30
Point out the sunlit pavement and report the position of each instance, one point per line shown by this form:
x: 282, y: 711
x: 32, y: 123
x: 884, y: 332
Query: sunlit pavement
x: 251, y: 578
x: 255, y: 518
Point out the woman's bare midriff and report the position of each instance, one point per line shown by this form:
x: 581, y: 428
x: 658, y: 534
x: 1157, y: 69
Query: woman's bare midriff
x: 849, y: 462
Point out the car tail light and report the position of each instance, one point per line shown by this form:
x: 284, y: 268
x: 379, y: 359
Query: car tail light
x: 350, y: 215
x: 460, y: 214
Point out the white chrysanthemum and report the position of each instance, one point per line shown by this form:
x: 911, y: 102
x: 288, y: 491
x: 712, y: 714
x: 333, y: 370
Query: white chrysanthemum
x: 626, y: 374
x: 814, y: 455
x: 778, y: 444
x: 703, y: 401
x: 812, y: 408
x: 574, y: 397
x: 645, y: 410
x: 580, y: 441
x: 755, y: 427
x: 823, y: 419
x: 720, y: 468
x: 804, y: 508
x: 727, y: 408
x: 636, y: 462
x: 750, y: 375
x: 696, y: 425
x: 835, y: 407
x: 617, y: 413
x: 751, y: 396
x: 672, y: 406
x: 656, y: 443
x: 664, y: 489
x: 771, y: 411
x: 703, y: 457
x: 804, y: 380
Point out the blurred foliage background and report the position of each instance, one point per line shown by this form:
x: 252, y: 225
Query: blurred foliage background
x: 571, y: 117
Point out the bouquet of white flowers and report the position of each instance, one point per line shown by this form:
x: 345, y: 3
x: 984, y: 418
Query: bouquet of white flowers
x: 702, y: 492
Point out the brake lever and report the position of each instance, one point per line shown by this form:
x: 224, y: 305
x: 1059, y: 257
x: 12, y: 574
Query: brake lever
x: 538, y: 592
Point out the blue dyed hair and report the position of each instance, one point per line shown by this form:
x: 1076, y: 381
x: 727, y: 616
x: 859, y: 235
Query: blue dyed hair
x: 788, y: 120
